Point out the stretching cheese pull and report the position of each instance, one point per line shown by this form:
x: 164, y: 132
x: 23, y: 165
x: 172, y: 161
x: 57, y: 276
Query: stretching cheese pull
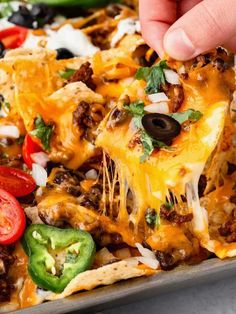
x: 176, y: 171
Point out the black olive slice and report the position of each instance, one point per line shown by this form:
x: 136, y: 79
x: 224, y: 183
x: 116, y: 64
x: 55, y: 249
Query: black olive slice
x: 161, y: 127
x: 22, y: 17
x: 63, y: 53
x: 37, y: 17
x: 42, y: 13
x: 2, y: 50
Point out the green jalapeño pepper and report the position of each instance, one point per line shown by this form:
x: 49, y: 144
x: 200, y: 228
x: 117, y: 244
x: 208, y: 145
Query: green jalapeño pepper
x: 85, y: 4
x: 56, y: 255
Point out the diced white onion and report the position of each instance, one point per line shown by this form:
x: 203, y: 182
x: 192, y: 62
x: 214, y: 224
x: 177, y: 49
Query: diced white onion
x: 182, y: 70
x: 39, y: 174
x: 199, y: 77
x: 158, y: 97
x: 4, y: 111
x: 11, y: 131
x: 171, y: 77
x: 91, y: 174
x: 39, y: 192
x: 161, y: 107
x: 145, y: 252
x: 40, y: 158
x: 154, y: 264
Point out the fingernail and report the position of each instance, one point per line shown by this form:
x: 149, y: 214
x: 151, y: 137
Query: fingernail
x: 178, y: 45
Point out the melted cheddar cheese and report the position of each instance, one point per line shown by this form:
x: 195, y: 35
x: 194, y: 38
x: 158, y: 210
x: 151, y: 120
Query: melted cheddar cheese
x: 175, y: 171
x: 165, y: 171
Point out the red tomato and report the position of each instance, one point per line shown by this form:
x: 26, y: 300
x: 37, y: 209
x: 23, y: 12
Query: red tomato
x: 12, y: 218
x: 29, y: 147
x: 13, y: 37
x: 16, y: 181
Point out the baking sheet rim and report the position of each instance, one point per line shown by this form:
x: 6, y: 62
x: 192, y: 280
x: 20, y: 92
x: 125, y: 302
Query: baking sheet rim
x: 129, y: 290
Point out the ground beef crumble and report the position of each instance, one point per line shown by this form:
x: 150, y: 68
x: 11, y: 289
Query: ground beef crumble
x: 6, y: 260
x: 166, y: 260
x: 173, y: 216
x: 84, y: 74
x: 81, y: 117
x: 228, y: 229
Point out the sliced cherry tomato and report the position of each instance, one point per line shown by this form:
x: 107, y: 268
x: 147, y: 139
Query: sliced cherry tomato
x: 16, y: 181
x: 12, y: 218
x: 29, y: 147
x: 13, y: 37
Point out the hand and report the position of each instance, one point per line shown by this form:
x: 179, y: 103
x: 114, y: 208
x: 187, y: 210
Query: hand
x: 186, y: 28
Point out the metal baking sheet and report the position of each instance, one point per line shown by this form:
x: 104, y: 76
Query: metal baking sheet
x: 141, y: 288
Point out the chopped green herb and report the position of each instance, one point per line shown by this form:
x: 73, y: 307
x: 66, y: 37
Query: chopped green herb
x: 154, y: 77
x: 234, y: 186
x: 188, y: 115
x: 168, y: 205
x: 136, y: 110
x: 7, y: 104
x: 67, y: 73
x: 20, y: 140
x: 138, y: 122
x: 43, y: 132
x: 234, y: 110
x: 149, y: 144
x: 152, y: 218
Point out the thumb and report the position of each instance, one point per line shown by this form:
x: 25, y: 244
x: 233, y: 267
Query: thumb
x: 206, y: 26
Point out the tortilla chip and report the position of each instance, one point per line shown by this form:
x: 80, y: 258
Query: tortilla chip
x: 105, y: 275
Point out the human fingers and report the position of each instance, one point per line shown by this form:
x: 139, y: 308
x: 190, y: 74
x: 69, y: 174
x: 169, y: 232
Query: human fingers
x: 186, y: 5
x: 231, y: 44
x: 156, y: 16
x: 205, y: 26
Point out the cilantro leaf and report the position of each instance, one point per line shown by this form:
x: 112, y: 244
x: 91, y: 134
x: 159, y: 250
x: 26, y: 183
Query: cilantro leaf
x: 8, y: 105
x: 169, y: 205
x: 152, y: 218
x: 20, y: 140
x: 136, y: 108
x: 188, y: 115
x: 149, y: 144
x: 143, y: 73
x: 67, y: 73
x: 43, y: 132
x: 154, y: 77
x: 138, y: 122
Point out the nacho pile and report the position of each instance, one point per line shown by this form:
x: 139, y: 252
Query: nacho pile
x: 135, y: 161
